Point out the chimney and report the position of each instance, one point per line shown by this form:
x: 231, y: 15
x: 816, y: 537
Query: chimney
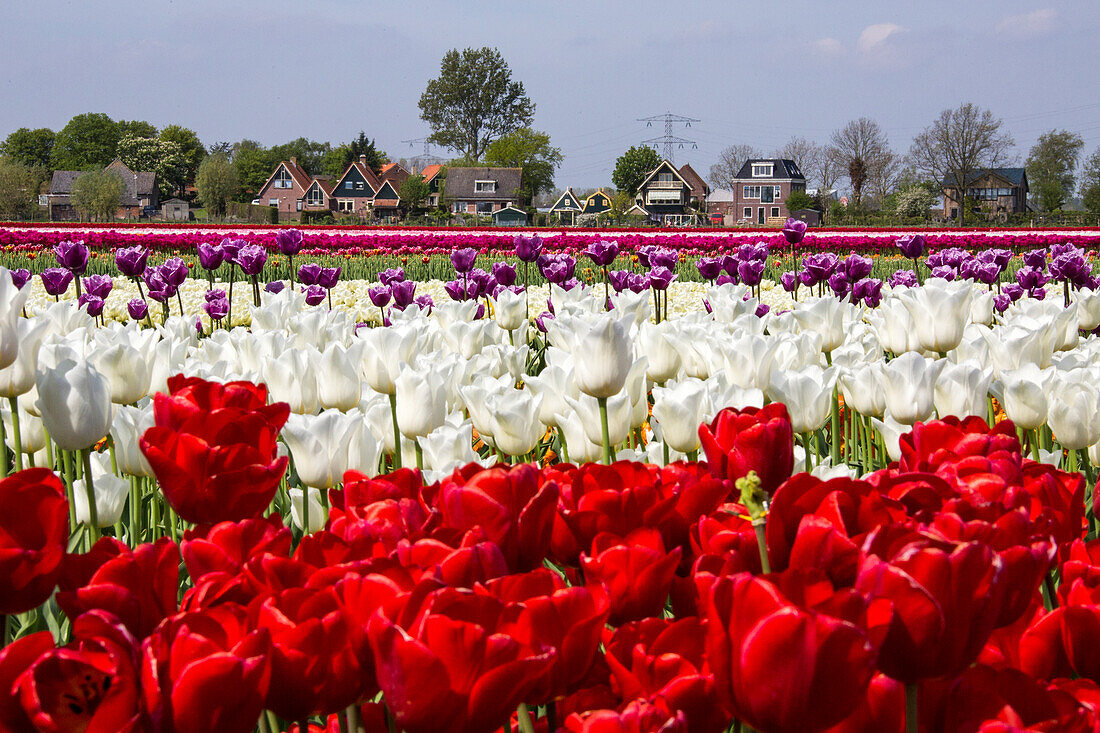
x: 293, y: 160
x: 362, y: 160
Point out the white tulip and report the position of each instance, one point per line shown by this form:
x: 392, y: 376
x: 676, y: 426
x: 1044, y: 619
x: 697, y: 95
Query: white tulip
x: 448, y: 447
x: 18, y: 377
x: 12, y: 300
x: 387, y: 350
x: 577, y: 443
x: 909, y: 384
x: 74, y: 400
x: 553, y: 385
x: 863, y: 390
x: 940, y: 311
x: 317, y: 513
x: 1074, y: 412
x: 366, y: 444
x: 893, y: 326
x: 679, y: 409
x: 110, y: 491
x: 421, y: 401
x: 32, y: 436
x: 723, y: 393
x: 828, y: 316
x: 129, y: 425
x: 663, y: 357
x: 602, y: 354
x: 808, y: 395
x: 126, y: 369
x: 891, y: 432
x: 516, y: 425
x: 962, y: 390
x: 291, y: 377
x: 619, y: 411
x: 338, y: 384
x: 1088, y: 309
x: 510, y: 309
x: 1023, y: 394
x: 319, y: 445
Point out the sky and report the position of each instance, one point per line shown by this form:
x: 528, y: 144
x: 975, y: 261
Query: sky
x: 751, y: 72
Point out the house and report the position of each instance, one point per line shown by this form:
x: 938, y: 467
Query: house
x: 566, y: 207
x: 699, y: 188
x: 596, y: 203
x: 812, y: 217
x: 762, y: 186
x: 509, y: 216
x: 318, y: 195
x: 482, y: 190
x: 395, y: 173
x: 998, y: 191
x: 176, y: 210
x: 433, y: 175
x: 355, y: 189
x: 669, y: 195
x: 140, y: 195
x: 387, y: 202
x: 286, y: 188
x: 720, y: 201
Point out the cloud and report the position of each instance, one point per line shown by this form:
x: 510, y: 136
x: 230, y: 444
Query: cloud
x: 874, y: 36
x: 1027, y: 25
x: 828, y: 47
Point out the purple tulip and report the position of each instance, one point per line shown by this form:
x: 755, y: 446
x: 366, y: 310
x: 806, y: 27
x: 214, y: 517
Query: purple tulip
x: 132, y: 261
x: 856, y: 267
x: 93, y: 303
x: 98, y: 285
x: 557, y: 272
x: 175, y: 271
x: 456, y: 289
x: 794, y: 230
x: 1000, y: 256
x: 867, y: 290
x: 1030, y: 278
x: 463, y: 259
x: 707, y: 306
x: 56, y: 280
x: 729, y: 264
x: 709, y: 267
x: 987, y: 273
x: 73, y: 256
x: 911, y: 246
x: 602, y: 253
x: 839, y: 284
x: 216, y: 305
x: 1035, y: 259
x: 275, y: 287
x: 329, y: 277
x: 289, y: 241
x: 230, y: 248
x: 807, y: 278
x: 482, y: 279
x: 619, y: 279
x: 403, y: 293
x: 637, y: 283
x: 661, y: 277
x: 379, y: 295
x: 137, y: 308
x: 762, y: 310
x: 211, y: 256
x: 252, y: 258
x: 1001, y: 301
x: 944, y: 272
x: 1065, y: 248
x: 315, y: 295
x: 726, y: 279
x: 903, y: 279
x: 391, y: 276
x: 20, y: 277
x: 789, y: 281
x: 821, y: 265
x: 425, y: 302
x: 954, y: 256
x: 751, y: 272
x: 753, y: 252
x: 308, y: 273
x: 541, y: 319
x: 504, y: 273
x: 159, y: 288
x: 1014, y: 291
x: 1037, y: 293
x: 571, y: 283
x: 664, y: 258
x: 528, y: 249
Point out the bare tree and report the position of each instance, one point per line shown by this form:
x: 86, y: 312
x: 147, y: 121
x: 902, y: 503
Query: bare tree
x: 960, y: 143
x: 860, y: 144
x: 829, y: 170
x: 884, y: 174
x: 729, y: 165
x: 805, y: 154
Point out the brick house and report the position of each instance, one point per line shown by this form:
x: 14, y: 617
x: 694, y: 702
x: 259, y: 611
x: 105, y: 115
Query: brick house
x: 761, y: 189
x: 355, y: 189
x: 699, y: 189
x: 318, y: 195
x: 998, y: 191
x: 395, y: 173
x: 140, y: 195
x: 433, y: 175
x: 483, y: 190
x: 285, y: 189
x: 671, y: 195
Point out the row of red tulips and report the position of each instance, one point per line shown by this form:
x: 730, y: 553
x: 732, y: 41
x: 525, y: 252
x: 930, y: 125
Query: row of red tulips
x: 959, y: 587
x: 693, y: 243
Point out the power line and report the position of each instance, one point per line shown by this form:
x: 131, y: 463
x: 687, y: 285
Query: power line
x: 668, y: 139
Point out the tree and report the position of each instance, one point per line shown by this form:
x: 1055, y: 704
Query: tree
x: 1090, y: 183
x: 798, y: 200
x: 883, y: 175
x: 376, y: 158
x: 414, y: 191
x: 29, y: 147
x: 253, y: 164
x: 97, y: 194
x: 19, y: 184
x: 632, y: 167
x: 222, y: 146
x: 859, y: 144
x: 159, y: 156
x: 530, y: 150
x: 87, y: 141
x: 217, y: 183
x: 1050, y: 167
x: 958, y: 144
x: 474, y: 101
x: 618, y: 203
x: 310, y: 155
x: 136, y: 128
x: 914, y: 201
x: 804, y: 153
x: 729, y: 165
x: 193, y: 149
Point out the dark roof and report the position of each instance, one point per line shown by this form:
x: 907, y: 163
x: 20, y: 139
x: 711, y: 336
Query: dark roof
x: 62, y: 182
x: 782, y: 168
x: 1015, y: 176
x: 699, y: 187
x: 460, y: 183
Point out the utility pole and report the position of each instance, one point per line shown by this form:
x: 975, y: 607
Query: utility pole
x: 668, y: 139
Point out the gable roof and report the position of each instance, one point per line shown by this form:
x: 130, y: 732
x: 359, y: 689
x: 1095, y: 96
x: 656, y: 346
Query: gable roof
x: 61, y: 183
x: 430, y: 172
x: 296, y: 172
x: 1013, y: 176
x: 720, y: 195
x: 460, y: 183
x: 387, y: 196
x: 699, y: 187
x: 782, y: 169
x: 668, y: 166
x: 367, y: 174
x: 324, y: 183
x: 134, y: 185
x: 575, y: 202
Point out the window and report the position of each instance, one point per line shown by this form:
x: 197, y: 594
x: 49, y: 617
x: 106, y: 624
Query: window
x: 485, y: 186
x: 767, y: 194
x: 457, y: 207
x: 299, y: 204
x: 762, y: 170
x: 778, y: 191
x: 273, y: 202
x: 752, y: 192
x: 748, y: 212
x: 348, y: 185
x: 283, y: 179
x: 345, y: 205
x: 484, y: 207
x: 315, y: 197
x: 358, y: 185
x: 775, y: 211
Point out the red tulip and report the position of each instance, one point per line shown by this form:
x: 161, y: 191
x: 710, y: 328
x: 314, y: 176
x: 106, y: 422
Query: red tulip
x: 967, y: 453
x: 138, y: 587
x: 449, y: 670
x: 780, y: 667
x: 213, y: 449
x: 637, y: 716
x: 946, y: 601
x: 15, y: 659
x: 227, y: 546
x: 90, y: 686
x: 1008, y: 700
x: 34, y: 530
x: 751, y: 439
x: 636, y: 570
x: 882, y: 709
x: 1057, y: 501
x: 1063, y: 643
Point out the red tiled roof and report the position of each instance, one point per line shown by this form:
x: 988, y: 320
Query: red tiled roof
x: 431, y: 172
x: 386, y: 203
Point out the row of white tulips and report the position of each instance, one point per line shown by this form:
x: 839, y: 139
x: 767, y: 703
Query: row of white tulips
x: 418, y: 389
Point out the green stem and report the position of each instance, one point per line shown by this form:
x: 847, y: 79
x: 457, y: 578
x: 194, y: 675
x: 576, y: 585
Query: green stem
x: 834, y: 429
x: 762, y: 543
x: 305, y: 510
x: 3, y: 452
x: 67, y: 462
x: 564, y: 446
x: 49, y: 449
x: 806, y: 450
x: 524, y: 716
x: 396, y: 433
x: 89, y: 489
x: 135, y: 507
x: 911, y: 708
x: 602, y: 401
x: 666, y: 452
x: 352, y: 714
x: 15, y: 433
x: 419, y: 455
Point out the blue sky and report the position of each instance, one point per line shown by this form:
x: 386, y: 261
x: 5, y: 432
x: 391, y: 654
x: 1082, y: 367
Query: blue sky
x: 752, y: 72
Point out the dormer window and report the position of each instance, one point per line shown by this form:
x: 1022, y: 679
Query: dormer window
x: 762, y: 170
x: 485, y: 186
x: 282, y: 179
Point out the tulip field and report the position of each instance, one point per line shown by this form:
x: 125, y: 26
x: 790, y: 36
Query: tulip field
x: 479, y: 483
